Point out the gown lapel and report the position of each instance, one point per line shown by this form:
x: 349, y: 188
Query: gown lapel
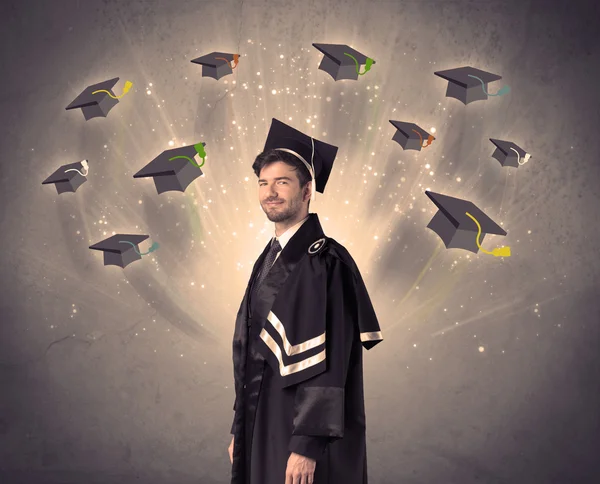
x: 294, y: 250
x: 247, y: 301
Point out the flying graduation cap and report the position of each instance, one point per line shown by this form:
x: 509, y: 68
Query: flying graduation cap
x: 509, y: 154
x: 68, y: 178
x: 410, y: 136
x: 122, y: 249
x: 217, y: 64
x: 317, y: 156
x: 175, y: 169
x: 98, y: 99
x: 343, y: 62
x: 468, y: 84
x: 461, y: 225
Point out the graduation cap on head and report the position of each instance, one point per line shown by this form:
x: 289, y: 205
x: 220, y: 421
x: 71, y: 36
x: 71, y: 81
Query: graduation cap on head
x: 509, y: 154
x: 468, y: 84
x: 98, y: 99
x: 122, y: 249
x: 343, y: 62
x: 68, y: 178
x: 461, y: 225
x: 217, y: 64
x: 175, y: 169
x: 317, y: 156
x: 410, y: 136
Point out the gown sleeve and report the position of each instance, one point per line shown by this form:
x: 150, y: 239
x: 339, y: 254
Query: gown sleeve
x: 319, y: 401
x: 234, y: 408
x: 233, y: 424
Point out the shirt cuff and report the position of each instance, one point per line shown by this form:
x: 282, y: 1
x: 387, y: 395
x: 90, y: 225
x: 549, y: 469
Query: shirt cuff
x: 308, y: 446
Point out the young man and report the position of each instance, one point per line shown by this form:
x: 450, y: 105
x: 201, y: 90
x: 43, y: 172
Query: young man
x: 297, y: 347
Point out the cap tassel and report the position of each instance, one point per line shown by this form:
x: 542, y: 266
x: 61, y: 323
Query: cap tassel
x: 153, y: 247
x: 498, y: 251
x: 199, y: 147
x: 84, y: 165
x: 501, y: 92
x: 526, y: 157
x: 126, y: 89
x: 236, y: 58
x: 424, y: 144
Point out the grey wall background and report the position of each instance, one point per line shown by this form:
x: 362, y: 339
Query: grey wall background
x: 489, y: 368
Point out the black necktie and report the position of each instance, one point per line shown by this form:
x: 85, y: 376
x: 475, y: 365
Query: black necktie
x: 268, y: 263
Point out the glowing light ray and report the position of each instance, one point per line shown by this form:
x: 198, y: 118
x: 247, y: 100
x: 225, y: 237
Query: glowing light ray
x: 422, y: 273
x: 77, y: 284
x: 503, y: 193
x: 501, y: 308
x: 442, y: 291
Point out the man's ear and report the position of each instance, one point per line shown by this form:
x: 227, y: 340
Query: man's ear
x: 306, y: 192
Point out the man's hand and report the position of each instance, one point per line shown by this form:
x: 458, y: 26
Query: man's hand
x: 231, y: 449
x: 300, y: 469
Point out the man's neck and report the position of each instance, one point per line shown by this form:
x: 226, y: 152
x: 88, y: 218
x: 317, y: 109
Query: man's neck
x: 281, y: 227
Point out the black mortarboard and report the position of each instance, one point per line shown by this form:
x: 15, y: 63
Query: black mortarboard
x: 175, y: 169
x: 468, y: 84
x: 68, y: 178
x: 217, y: 64
x: 410, y: 136
x: 122, y: 249
x: 457, y: 229
x: 343, y: 62
x: 285, y: 138
x: 94, y: 105
x: 509, y: 154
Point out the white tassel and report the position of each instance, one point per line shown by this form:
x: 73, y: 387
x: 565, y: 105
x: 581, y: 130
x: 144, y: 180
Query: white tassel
x: 313, y: 185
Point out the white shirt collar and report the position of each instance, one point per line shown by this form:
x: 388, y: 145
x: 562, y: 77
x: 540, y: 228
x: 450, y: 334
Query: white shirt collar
x: 287, y: 235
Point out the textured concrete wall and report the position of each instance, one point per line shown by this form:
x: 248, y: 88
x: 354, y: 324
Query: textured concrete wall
x: 489, y: 369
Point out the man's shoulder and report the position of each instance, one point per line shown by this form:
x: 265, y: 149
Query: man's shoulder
x: 330, y: 249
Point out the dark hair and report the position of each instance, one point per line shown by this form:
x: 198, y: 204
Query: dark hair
x: 272, y: 156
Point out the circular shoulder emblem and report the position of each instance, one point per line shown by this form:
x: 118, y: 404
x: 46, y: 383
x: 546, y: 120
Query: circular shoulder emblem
x: 316, y: 247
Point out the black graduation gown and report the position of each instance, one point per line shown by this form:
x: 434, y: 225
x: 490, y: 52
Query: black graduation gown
x: 297, y: 357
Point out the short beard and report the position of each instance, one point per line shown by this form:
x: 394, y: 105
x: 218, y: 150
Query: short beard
x: 293, y: 208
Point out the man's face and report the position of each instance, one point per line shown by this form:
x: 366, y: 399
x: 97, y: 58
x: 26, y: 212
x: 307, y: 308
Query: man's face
x: 279, y: 183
